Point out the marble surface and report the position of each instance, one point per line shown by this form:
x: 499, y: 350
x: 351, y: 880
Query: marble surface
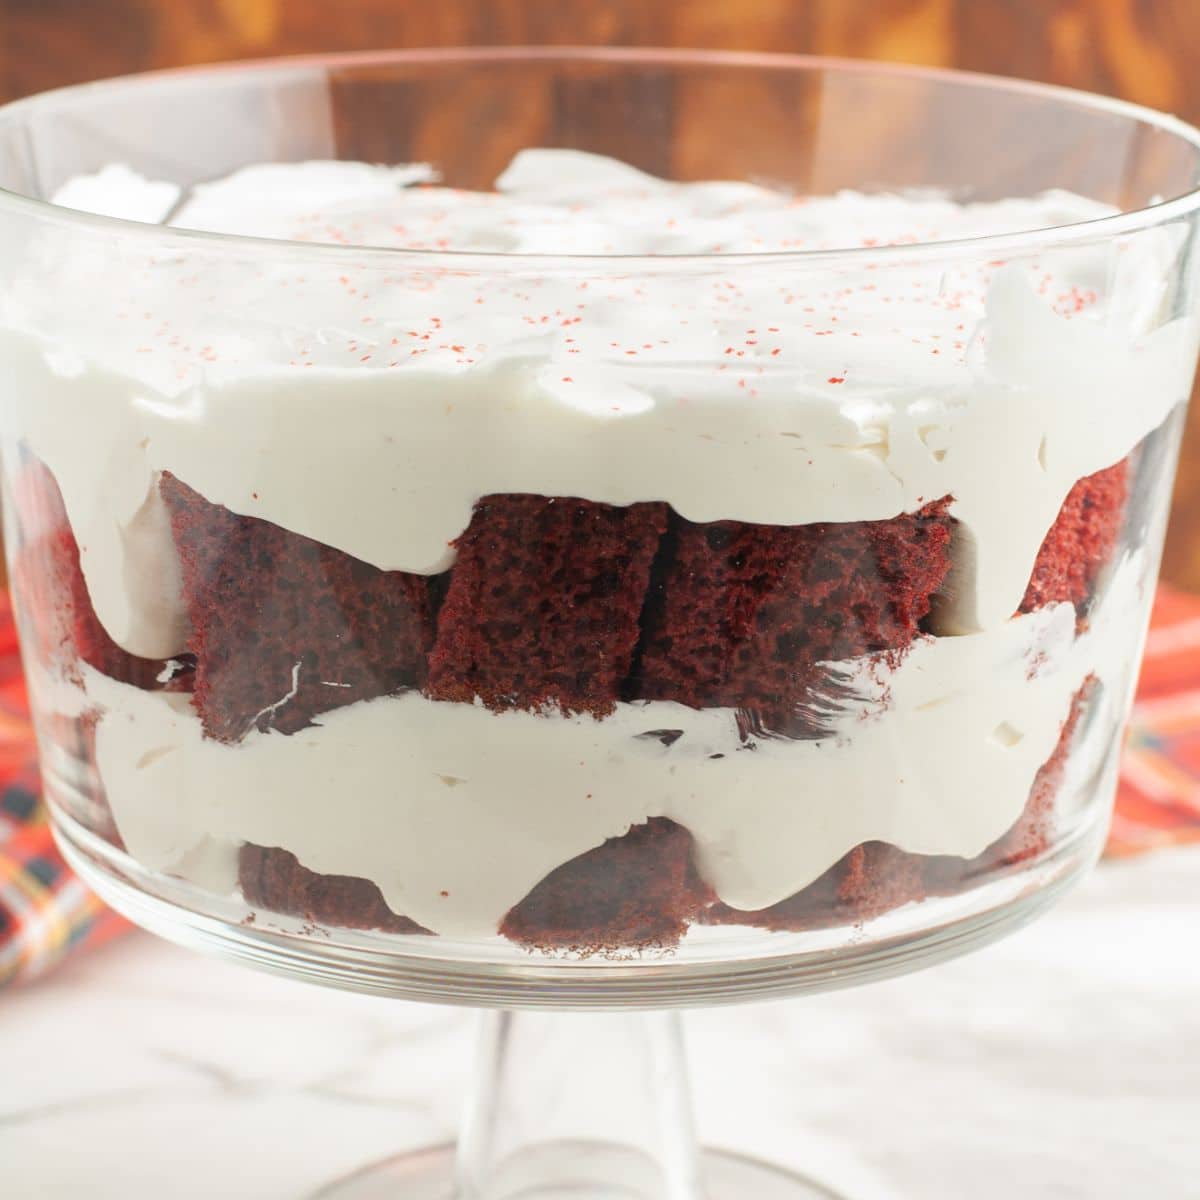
x: 1064, y: 1062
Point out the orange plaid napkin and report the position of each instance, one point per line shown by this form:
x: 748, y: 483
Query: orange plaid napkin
x: 45, y: 912
x: 1158, y: 803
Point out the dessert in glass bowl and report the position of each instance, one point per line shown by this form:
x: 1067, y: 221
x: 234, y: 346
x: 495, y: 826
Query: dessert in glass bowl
x: 621, y: 563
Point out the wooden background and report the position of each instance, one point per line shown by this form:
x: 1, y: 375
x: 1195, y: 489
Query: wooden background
x: 1143, y: 50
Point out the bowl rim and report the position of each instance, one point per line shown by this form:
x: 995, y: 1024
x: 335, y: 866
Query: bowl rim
x: 993, y: 245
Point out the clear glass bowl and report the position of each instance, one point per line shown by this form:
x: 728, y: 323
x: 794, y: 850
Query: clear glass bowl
x: 674, y: 623
x: 727, y: 649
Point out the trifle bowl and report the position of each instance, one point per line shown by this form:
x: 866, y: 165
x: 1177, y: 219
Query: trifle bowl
x: 586, y: 529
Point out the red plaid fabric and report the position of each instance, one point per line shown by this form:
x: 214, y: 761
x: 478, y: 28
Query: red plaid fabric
x: 1159, y: 799
x: 45, y: 912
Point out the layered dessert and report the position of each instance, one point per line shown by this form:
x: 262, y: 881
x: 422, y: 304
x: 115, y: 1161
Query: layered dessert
x: 580, y: 564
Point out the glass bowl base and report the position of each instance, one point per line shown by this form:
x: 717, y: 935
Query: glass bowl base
x: 429, y: 1175
x: 741, y: 966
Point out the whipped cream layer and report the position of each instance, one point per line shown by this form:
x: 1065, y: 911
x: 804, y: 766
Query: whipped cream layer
x: 456, y: 812
x: 368, y: 403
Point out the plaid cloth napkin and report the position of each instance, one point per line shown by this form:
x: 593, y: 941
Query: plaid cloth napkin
x: 45, y: 912
x: 1159, y: 799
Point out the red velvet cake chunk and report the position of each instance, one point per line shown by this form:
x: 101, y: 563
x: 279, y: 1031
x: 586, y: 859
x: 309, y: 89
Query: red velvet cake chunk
x: 1081, y: 540
x: 638, y: 890
x: 275, y: 880
x: 285, y: 628
x: 58, y: 620
x: 746, y: 612
x: 544, y: 603
x: 1034, y: 829
x: 865, y: 883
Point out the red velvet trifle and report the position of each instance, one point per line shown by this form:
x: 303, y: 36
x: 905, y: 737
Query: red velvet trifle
x: 608, y: 603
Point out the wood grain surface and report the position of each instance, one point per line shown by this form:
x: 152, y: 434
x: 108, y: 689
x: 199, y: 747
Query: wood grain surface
x: 1143, y: 50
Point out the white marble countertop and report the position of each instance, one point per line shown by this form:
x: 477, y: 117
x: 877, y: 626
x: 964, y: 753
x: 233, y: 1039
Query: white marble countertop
x: 1064, y: 1062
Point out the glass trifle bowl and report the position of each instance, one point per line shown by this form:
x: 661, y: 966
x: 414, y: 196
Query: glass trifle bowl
x: 578, y: 529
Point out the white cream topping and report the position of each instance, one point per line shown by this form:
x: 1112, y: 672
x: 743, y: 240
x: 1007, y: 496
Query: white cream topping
x: 116, y: 191
x: 435, y: 802
x: 409, y: 466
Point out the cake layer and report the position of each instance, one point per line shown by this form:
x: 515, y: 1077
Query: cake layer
x: 1081, y: 540
x: 275, y: 880
x: 59, y: 626
x: 746, y: 616
x: 638, y: 890
x: 548, y: 601
x: 547, y: 605
x: 1034, y: 830
x: 283, y: 628
x: 544, y: 602
x: 869, y: 881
